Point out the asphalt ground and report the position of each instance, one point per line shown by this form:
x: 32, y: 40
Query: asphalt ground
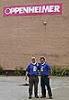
x: 11, y: 88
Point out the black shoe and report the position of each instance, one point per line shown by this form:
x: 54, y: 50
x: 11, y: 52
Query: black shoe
x: 50, y: 97
x: 43, y: 97
x: 36, y: 96
x: 30, y: 97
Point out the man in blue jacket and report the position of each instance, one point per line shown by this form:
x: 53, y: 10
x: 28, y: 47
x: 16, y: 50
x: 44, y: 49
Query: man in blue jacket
x: 32, y: 72
x: 45, y: 72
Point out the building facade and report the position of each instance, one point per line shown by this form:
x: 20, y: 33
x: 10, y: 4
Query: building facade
x: 22, y: 37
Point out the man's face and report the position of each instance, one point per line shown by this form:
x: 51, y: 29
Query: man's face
x: 33, y: 60
x: 42, y: 60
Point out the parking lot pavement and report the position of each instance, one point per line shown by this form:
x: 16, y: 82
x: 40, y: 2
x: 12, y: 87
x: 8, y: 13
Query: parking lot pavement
x: 11, y: 88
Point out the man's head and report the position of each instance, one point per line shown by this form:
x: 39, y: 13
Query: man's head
x: 42, y: 59
x: 33, y: 59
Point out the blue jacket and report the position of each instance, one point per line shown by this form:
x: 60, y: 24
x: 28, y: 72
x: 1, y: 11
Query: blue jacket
x: 45, y: 69
x: 32, y: 69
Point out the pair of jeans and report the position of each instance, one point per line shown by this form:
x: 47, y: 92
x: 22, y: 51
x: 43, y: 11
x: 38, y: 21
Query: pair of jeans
x: 45, y: 82
x: 33, y: 81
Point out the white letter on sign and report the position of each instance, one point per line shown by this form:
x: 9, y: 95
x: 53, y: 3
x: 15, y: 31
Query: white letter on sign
x: 7, y: 11
x: 57, y: 8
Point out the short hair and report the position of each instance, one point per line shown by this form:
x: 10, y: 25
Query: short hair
x: 42, y: 58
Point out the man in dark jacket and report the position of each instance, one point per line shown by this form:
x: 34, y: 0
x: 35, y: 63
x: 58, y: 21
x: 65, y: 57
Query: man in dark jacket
x: 45, y: 72
x: 32, y: 72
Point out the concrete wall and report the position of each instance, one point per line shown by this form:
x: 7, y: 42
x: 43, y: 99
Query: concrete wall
x: 25, y: 36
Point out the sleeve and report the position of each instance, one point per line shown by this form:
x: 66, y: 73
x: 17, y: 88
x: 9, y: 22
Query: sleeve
x: 27, y: 69
x: 49, y: 69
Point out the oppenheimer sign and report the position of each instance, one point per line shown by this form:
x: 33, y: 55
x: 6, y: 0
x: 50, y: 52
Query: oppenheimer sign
x: 33, y: 10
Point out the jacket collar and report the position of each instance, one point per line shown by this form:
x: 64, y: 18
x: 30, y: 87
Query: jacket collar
x: 34, y: 63
x: 43, y: 63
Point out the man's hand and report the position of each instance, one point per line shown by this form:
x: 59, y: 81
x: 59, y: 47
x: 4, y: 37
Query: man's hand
x: 49, y: 77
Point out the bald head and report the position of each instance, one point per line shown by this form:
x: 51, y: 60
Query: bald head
x: 33, y: 59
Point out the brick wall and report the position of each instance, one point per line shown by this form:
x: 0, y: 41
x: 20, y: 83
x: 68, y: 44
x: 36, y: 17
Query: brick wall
x: 26, y: 36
